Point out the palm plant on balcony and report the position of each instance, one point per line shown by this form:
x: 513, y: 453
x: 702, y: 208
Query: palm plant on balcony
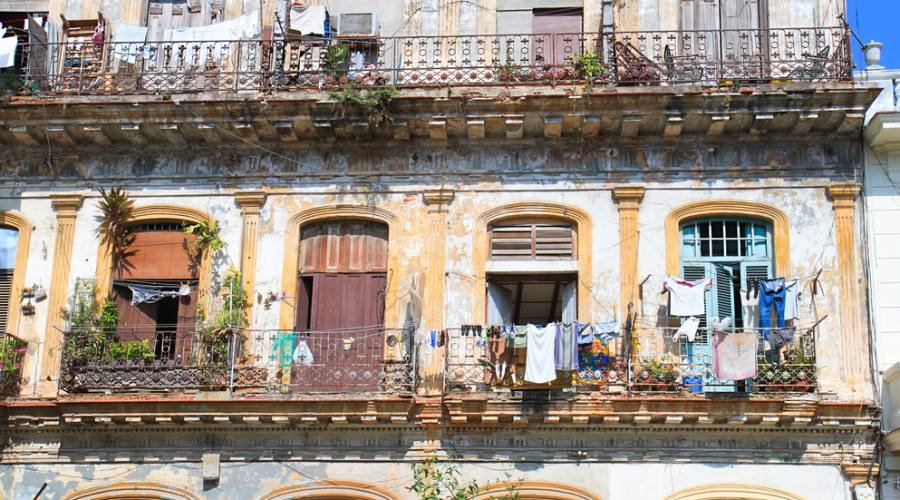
x: 114, y: 230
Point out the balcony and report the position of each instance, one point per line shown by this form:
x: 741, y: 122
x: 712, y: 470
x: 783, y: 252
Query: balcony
x: 724, y: 58
x: 661, y: 367
x: 160, y: 359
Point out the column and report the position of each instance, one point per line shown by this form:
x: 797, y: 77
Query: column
x: 629, y: 200
x: 854, y: 350
x: 250, y: 202
x: 435, y: 283
x: 66, y: 207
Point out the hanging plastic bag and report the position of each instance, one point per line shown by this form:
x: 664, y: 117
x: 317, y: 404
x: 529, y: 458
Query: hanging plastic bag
x: 302, y: 354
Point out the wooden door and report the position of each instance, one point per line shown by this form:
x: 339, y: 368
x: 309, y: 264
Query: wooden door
x: 346, y: 334
x: 561, y: 38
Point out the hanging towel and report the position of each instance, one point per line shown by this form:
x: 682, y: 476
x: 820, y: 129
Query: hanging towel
x: 127, y: 41
x: 302, y: 354
x: 566, y: 353
x: 688, y: 329
x: 734, y: 355
x: 308, y: 21
x: 8, y: 51
x: 585, y: 333
x: 687, y: 298
x: 149, y: 295
x: 539, y: 362
x: 283, y: 349
x: 791, y: 300
x: 520, y: 337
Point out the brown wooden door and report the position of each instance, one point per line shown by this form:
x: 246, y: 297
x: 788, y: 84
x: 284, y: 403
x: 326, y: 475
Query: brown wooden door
x: 558, y: 43
x: 186, y: 327
x: 345, y: 306
x: 136, y: 322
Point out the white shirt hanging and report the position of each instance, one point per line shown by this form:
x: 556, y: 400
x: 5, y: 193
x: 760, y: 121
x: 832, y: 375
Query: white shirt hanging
x: 540, y: 367
x: 687, y: 298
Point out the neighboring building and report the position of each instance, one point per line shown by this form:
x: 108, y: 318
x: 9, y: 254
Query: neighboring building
x: 881, y: 196
x: 367, y: 196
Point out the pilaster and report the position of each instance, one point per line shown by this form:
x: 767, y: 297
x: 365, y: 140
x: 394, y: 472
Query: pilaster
x: 251, y: 203
x: 437, y: 201
x: 853, y: 338
x: 66, y: 207
x: 629, y: 200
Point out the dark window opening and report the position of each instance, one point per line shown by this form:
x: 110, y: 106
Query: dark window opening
x: 531, y: 299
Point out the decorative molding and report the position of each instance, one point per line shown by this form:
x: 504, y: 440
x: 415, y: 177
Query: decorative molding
x: 291, y: 265
x: 629, y: 200
x: 729, y: 490
x: 438, y: 197
x: 736, y: 208
x: 155, y: 213
x: 66, y: 207
x: 431, y: 372
x: 854, y: 352
x: 545, y: 490
x: 537, y: 209
x: 331, y: 489
x: 251, y: 203
x: 155, y: 491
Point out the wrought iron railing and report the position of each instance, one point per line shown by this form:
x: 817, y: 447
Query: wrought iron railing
x: 471, y: 365
x: 711, y: 58
x: 660, y: 366
x: 12, y: 357
x: 348, y: 360
x: 152, y: 357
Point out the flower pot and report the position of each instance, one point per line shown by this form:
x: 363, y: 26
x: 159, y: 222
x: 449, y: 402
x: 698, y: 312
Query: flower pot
x: 872, y: 51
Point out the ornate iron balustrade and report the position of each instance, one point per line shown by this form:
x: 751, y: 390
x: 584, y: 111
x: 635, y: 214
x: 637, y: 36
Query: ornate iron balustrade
x: 671, y: 367
x: 709, y: 58
x: 470, y: 366
x: 156, y: 358
x: 341, y: 361
x: 12, y: 357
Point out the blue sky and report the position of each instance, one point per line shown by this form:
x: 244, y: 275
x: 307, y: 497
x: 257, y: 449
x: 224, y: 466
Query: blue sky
x: 876, y: 20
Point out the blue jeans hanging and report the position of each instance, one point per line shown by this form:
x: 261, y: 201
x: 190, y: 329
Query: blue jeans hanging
x: 771, y: 294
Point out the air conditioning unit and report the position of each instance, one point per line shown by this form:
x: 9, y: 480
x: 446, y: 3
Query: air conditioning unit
x: 363, y: 23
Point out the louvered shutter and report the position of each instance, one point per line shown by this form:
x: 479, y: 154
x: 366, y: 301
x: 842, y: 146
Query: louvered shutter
x: 6, y: 276
x: 751, y: 271
x: 532, y: 241
x: 723, y: 289
x: 722, y: 298
x: 499, y: 305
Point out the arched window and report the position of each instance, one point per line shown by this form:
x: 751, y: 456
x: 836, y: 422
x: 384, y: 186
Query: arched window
x: 734, y: 252
x: 341, y: 287
x: 155, y: 288
x: 731, y: 492
x: 331, y: 490
x: 132, y: 490
x: 533, y: 490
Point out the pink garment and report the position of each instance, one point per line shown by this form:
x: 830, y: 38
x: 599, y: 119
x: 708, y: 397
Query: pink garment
x: 734, y: 355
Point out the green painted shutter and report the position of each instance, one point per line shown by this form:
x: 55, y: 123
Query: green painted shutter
x: 753, y: 271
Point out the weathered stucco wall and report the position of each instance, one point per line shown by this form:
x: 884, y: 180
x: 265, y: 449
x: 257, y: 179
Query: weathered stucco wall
x: 252, y: 480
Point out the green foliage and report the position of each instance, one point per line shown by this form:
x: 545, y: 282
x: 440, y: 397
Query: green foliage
x: 436, y: 480
x: 116, y: 209
x: 376, y: 103
x: 12, y: 353
x: 229, y: 317
x: 587, y: 64
x: 337, y: 59
x: 207, y: 233
x: 130, y: 350
x: 109, y: 315
x: 659, y: 369
x: 10, y: 83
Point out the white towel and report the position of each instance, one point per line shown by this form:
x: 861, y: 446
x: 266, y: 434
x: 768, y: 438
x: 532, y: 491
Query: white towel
x: 127, y: 41
x: 539, y: 357
x: 308, y: 21
x: 8, y: 51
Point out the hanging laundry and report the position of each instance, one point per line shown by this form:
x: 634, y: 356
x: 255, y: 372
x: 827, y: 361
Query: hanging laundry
x: 792, y: 300
x: 303, y: 354
x: 214, y: 40
x: 688, y: 329
x: 8, y: 51
x: 539, y: 362
x: 128, y: 41
x: 566, y: 353
x: 99, y: 35
x: 734, y: 355
x: 717, y: 325
x: 585, y: 333
x: 750, y: 309
x: 771, y: 300
x: 283, y: 347
x: 308, y: 21
x: 149, y: 295
x: 687, y: 298
x: 520, y: 337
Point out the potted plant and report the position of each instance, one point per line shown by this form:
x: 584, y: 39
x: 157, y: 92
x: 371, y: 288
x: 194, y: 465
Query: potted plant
x: 659, y: 373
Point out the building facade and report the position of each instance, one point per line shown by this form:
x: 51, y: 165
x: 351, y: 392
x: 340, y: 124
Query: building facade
x: 276, y: 250
x: 881, y: 197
